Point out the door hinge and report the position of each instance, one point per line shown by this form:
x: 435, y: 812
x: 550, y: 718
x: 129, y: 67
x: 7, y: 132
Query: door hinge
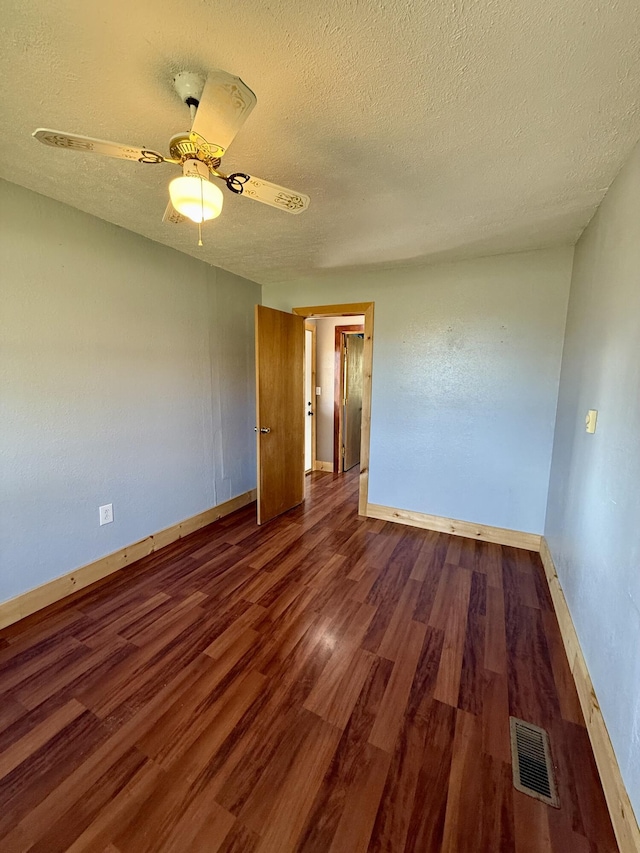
x: 343, y: 451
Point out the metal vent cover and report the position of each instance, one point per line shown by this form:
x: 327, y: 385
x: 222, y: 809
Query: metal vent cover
x: 531, y: 762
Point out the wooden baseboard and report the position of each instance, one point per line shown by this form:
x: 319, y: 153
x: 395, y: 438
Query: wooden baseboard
x: 499, y: 535
x: 323, y: 466
x: 35, y: 599
x: 623, y: 819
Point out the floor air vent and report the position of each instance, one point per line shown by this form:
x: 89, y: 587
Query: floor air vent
x: 532, y: 767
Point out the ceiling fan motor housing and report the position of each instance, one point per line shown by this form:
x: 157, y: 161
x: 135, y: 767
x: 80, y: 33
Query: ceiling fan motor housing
x: 193, y: 168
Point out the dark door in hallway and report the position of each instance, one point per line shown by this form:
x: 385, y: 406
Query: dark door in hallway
x: 352, y: 412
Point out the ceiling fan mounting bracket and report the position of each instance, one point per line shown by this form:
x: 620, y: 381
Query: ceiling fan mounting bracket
x: 189, y: 86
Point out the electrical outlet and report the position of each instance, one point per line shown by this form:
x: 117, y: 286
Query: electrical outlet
x: 106, y: 514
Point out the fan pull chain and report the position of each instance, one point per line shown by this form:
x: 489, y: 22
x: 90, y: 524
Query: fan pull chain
x: 199, y: 233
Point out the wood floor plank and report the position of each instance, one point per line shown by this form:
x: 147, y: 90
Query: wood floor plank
x: 576, y: 753
x: 346, y: 769
x: 356, y: 824
x: 33, y: 780
x: 32, y: 663
x: 203, y: 828
x: 22, y: 749
x: 72, y: 788
x: 531, y: 822
x: 278, y: 808
x: 119, y: 811
x: 496, y: 740
x: 10, y: 711
x: 455, y: 628
x: 184, y: 721
x: 239, y: 840
x: 31, y: 636
x: 224, y: 641
x: 59, y: 836
x: 394, y: 813
x: 451, y: 579
x: 127, y: 619
x: 495, y: 647
x: 171, y: 797
x: 38, y: 690
x: 532, y: 690
x: 432, y: 556
x: 462, y: 826
x: 392, y: 708
x: 336, y: 691
x: 251, y: 751
x: 325, y: 683
x: 392, y: 644
x: 428, y: 811
x: 470, y: 694
x: 567, y: 695
x: 496, y: 816
x: 492, y: 560
x: 424, y: 681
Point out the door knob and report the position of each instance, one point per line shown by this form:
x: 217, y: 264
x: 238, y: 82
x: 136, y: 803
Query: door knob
x: 265, y: 430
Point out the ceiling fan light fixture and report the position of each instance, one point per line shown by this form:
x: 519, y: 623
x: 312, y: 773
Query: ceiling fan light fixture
x: 193, y: 195
x: 196, y: 198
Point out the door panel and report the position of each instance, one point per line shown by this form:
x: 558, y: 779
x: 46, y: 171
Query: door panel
x: 280, y: 410
x: 353, y: 399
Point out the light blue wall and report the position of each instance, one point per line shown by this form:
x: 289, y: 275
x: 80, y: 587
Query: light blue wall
x: 593, y: 517
x: 465, y: 379
x: 126, y: 377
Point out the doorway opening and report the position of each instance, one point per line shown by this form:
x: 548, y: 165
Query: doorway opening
x: 310, y: 392
x: 338, y: 389
x: 347, y: 406
x: 333, y: 392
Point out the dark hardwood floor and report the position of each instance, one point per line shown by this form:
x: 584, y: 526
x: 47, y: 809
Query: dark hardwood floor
x: 324, y: 683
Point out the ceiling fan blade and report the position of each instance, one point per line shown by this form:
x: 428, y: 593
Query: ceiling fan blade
x: 224, y: 107
x: 59, y: 139
x: 290, y: 201
x: 171, y: 215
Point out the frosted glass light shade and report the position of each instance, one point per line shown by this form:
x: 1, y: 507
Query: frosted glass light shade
x: 196, y: 198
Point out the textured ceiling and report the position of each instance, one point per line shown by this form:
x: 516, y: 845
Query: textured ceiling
x: 421, y: 130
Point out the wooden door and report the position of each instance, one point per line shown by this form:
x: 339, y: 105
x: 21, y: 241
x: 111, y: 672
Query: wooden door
x: 279, y: 411
x: 352, y: 421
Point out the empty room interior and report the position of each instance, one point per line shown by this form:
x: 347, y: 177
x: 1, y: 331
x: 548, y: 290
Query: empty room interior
x: 320, y: 515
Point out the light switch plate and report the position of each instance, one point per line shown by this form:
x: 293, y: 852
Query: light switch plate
x: 318, y: 390
x: 590, y: 420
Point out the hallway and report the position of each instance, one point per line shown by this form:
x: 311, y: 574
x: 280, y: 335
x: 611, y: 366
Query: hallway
x: 323, y: 683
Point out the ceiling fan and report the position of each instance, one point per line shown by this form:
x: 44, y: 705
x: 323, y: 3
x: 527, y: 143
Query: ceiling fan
x: 219, y: 106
